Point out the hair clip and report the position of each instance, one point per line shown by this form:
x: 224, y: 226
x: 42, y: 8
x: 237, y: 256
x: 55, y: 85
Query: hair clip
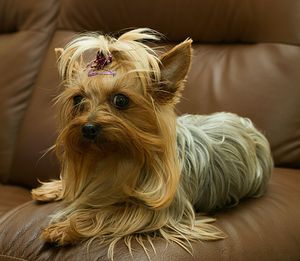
x: 96, y: 67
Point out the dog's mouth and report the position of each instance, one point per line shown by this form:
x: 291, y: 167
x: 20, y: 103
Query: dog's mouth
x: 99, y: 145
x: 96, y: 144
x: 89, y: 139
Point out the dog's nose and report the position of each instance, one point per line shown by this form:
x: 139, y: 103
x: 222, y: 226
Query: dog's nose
x: 90, y: 130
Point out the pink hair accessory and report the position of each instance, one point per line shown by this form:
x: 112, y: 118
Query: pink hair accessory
x: 96, y: 67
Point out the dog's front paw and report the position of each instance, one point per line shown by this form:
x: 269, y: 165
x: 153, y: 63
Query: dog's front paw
x: 58, y: 234
x: 49, y: 191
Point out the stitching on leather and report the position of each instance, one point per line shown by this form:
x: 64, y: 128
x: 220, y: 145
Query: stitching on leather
x: 13, y: 257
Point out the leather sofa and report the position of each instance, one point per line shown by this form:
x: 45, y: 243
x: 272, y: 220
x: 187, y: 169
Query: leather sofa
x: 246, y: 60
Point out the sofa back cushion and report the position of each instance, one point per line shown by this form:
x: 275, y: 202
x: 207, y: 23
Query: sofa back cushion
x: 26, y: 28
x: 246, y: 60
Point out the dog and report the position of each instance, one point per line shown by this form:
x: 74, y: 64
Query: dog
x: 130, y: 168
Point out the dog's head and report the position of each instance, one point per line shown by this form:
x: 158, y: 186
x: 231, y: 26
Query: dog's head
x: 119, y: 95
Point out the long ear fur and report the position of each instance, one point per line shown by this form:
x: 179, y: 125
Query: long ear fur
x: 58, y: 54
x: 174, y: 67
x: 61, y: 56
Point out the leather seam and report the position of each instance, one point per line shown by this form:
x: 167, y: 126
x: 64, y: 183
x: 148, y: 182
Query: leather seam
x: 16, y: 258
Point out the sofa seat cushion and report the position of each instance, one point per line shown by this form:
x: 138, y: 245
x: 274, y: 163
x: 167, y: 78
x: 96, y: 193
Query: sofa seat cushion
x: 258, y: 229
x: 12, y: 196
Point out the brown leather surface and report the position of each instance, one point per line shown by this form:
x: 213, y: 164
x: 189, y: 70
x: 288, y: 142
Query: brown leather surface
x: 258, y: 229
x: 204, y: 21
x: 26, y: 28
x: 12, y: 196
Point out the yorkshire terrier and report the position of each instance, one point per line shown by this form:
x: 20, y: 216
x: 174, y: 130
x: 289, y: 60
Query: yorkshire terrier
x: 131, y: 169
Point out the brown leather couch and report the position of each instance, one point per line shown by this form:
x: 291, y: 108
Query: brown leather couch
x: 246, y: 60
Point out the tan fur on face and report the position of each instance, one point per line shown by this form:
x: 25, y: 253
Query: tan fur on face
x: 137, y: 180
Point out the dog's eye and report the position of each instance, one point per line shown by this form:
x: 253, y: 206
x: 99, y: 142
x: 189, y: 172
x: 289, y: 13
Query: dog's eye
x: 120, y: 101
x: 77, y: 100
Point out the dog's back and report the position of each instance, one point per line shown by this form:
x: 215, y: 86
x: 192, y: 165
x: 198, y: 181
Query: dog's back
x: 224, y: 158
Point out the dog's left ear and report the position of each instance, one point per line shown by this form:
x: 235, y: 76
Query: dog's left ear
x: 174, y: 67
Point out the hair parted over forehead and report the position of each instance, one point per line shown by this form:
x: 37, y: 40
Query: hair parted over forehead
x: 129, y: 53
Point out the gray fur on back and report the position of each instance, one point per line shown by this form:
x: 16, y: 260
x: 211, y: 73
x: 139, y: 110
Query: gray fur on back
x: 224, y: 158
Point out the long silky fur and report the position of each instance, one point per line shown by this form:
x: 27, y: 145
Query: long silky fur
x: 174, y: 167
x: 224, y: 159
